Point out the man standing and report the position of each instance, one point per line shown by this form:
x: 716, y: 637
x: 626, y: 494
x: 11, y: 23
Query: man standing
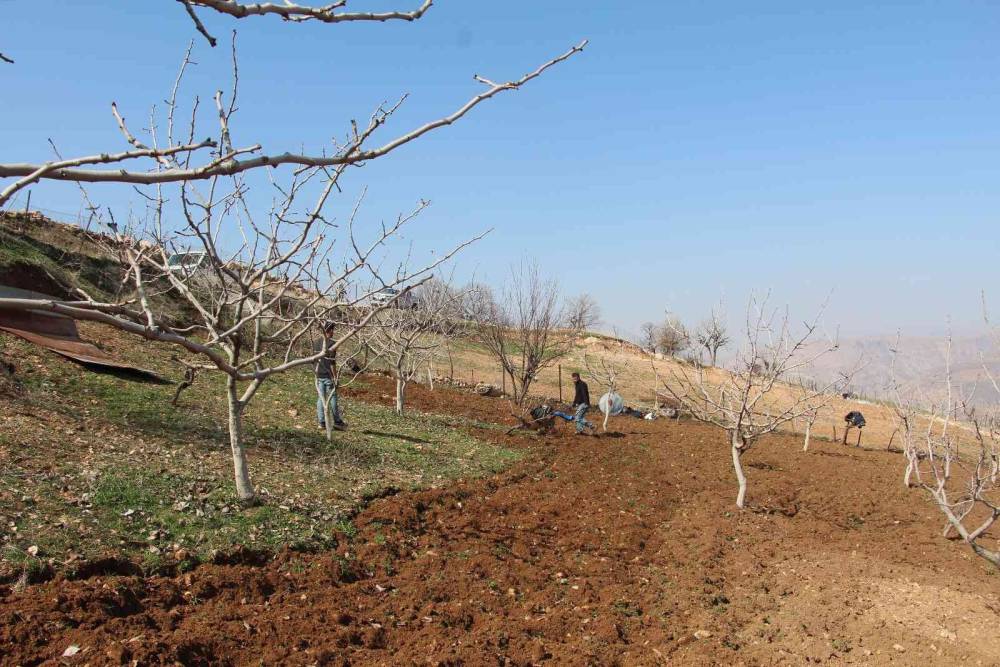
x: 326, y: 380
x: 581, y: 403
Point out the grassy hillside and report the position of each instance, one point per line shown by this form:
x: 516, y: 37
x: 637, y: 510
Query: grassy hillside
x: 95, y: 465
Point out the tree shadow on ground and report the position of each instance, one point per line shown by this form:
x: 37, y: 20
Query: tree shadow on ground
x: 397, y: 436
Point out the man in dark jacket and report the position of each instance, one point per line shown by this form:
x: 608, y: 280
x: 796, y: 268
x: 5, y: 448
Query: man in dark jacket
x: 581, y: 403
x: 326, y: 380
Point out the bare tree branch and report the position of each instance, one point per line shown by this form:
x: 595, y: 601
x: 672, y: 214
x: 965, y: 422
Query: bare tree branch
x: 229, y: 164
x: 293, y: 12
x: 199, y: 26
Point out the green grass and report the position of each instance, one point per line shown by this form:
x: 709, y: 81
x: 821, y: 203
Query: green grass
x: 156, y: 481
x: 22, y: 252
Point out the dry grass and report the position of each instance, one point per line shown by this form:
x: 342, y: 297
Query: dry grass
x: 645, y: 373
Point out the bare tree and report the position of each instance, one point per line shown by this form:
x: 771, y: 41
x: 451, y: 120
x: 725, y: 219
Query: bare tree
x: 407, y: 337
x: 906, y: 410
x: 965, y: 486
x: 811, y: 406
x: 647, y: 336
x: 254, y: 308
x: 277, y: 280
x: 255, y: 304
x: 582, y: 313
x: 523, y: 328
x: 672, y: 336
x: 712, y: 335
x: 810, y: 413
x: 743, y: 403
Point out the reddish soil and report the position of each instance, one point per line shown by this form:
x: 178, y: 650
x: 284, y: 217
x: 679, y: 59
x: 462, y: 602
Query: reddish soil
x: 612, y: 550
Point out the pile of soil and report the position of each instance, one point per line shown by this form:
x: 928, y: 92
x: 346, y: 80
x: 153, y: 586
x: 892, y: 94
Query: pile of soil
x: 624, y: 549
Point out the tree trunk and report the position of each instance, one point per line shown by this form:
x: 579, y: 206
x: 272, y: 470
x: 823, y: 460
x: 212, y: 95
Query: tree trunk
x: 909, y: 470
x: 327, y: 416
x: 606, y: 416
x: 805, y: 445
x: 520, y: 393
x: 948, y: 525
x: 983, y: 552
x: 400, y: 394
x: 737, y: 450
x: 244, y: 487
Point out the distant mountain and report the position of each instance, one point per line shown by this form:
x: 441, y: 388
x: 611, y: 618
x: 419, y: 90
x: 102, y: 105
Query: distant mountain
x: 920, y: 365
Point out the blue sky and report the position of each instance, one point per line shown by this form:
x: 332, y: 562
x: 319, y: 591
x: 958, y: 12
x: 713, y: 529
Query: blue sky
x: 696, y: 150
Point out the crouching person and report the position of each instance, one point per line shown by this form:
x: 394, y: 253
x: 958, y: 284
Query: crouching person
x: 326, y: 381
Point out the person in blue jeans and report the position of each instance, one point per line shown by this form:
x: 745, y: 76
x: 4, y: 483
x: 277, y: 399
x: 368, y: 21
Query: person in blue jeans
x: 581, y: 403
x: 326, y: 380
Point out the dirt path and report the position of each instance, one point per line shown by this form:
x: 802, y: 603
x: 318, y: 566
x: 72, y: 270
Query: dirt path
x: 604, y: 551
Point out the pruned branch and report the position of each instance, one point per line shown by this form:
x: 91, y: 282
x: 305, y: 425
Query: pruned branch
x: 290, y: 11
x: 198, y: 25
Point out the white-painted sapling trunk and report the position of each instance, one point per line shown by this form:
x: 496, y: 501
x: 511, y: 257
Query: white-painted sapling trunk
x: 241, y: 472
x: 805, y: 445
x: 400, y: 394
x: 738, y: 446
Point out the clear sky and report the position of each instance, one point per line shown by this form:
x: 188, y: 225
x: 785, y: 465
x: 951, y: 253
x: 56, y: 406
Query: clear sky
x: 695, y: 150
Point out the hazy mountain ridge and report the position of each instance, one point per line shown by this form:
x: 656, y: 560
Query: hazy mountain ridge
x: 920, y: 365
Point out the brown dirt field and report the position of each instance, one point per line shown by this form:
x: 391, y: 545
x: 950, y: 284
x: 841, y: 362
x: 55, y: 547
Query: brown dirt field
x: 611, y: 550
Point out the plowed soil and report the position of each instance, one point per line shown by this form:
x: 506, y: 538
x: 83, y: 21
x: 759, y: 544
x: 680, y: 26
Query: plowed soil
x: 624, y: 549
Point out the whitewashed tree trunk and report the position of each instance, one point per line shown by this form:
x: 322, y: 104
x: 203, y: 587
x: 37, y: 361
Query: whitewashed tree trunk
x: 737, y: 447
x: 948, y: 526
x: 805, y: 445
x: 910, y: 465
x: 244, y: 487
x: 400, y: 394
x: 607, y: 415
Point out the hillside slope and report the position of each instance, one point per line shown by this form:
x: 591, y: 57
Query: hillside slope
x: 623, y: 550
x: 56, y: 256
x: 437, y: 538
